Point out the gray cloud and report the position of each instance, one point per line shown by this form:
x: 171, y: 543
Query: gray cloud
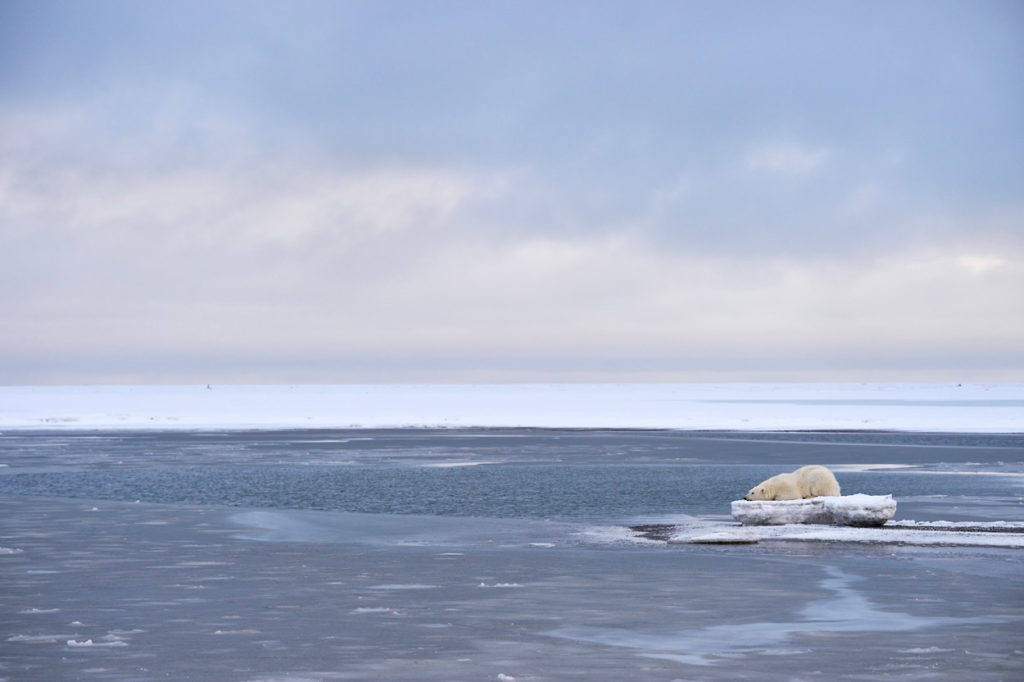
x: 483, y: 191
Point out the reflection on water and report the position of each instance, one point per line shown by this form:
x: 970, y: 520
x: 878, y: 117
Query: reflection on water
x: 846, y: 611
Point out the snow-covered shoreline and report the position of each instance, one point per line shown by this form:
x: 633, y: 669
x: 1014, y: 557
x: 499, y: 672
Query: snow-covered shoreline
x: 923, y: 407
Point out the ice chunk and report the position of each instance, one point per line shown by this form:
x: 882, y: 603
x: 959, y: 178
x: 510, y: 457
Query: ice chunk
x: 780, y: 512
x: 74, y: 643
x: 861, y: 510
x: 846, y: 510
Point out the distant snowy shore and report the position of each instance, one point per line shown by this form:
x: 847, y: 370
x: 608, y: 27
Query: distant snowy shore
x: 974, y: 408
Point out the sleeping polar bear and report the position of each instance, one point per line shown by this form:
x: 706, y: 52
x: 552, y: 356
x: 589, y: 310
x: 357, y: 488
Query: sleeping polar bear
x: 809, y: 481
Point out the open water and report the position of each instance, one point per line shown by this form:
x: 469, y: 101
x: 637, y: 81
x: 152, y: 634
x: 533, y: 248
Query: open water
x: 489, y: 554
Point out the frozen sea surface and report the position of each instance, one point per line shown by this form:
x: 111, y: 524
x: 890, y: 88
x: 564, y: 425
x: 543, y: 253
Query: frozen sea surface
x: 976, y: 407
x: 487, y: 554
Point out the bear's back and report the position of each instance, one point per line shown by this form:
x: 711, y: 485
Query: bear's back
x: 817, y: 481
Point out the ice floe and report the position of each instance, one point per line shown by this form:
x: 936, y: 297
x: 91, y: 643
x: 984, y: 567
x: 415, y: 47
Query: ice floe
x: 976, y: 526
x: 845, y: 510
x: 863, y: 519
x: 897, y: 534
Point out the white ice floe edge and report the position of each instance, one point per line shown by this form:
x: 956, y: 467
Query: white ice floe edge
x: 991, y: 526
x: 897, y: 534
x: 978, y: 408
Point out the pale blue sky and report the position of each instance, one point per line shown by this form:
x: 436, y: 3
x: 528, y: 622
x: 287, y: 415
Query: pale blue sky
x: 511, y: 191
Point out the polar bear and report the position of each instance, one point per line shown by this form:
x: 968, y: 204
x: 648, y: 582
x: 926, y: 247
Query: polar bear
x: 809, y: 481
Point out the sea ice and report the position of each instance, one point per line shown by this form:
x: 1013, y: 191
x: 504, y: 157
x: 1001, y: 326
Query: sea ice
x: 861, y: 510
x: 848, y: 610
x: 980, y: 408
x: 725, y: 538
x: 37, y: 639
x: 74, y: 643
x: 846, y: 510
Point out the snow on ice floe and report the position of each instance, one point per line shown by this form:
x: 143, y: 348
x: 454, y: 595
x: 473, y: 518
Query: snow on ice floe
x: 981, y: 408
x: 978, y: 526
x: 846, y: 510
x: 946, y: 534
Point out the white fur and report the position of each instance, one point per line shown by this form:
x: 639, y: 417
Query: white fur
x: 809, y: 481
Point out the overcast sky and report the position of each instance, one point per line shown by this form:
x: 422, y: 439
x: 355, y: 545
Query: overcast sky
x: 268, y: 192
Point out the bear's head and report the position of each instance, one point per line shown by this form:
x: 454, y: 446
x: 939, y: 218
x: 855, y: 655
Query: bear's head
x: 757, y: 493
